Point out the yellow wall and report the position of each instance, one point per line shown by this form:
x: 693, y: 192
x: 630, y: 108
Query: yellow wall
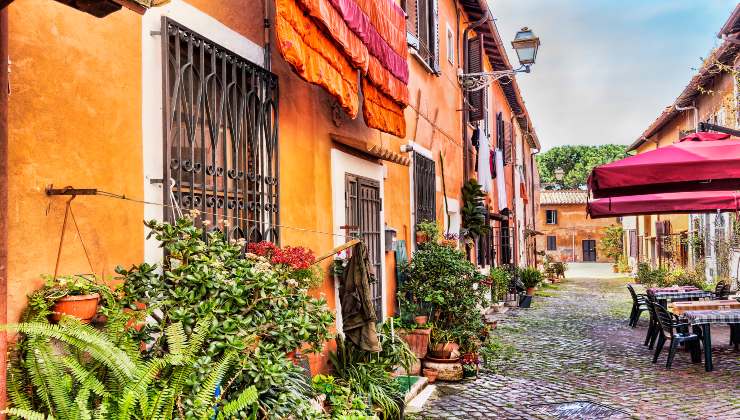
x: 572, y: 228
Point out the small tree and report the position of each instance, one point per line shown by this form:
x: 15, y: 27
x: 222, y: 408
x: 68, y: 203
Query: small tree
x: 612, y: 243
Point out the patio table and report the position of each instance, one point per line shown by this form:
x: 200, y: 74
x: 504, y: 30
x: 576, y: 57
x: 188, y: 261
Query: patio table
x: 679, y: 308
x: 704, y: 319
x: 663, y: 296
x: 672, y: 289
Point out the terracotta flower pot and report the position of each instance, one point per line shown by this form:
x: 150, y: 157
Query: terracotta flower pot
x: 82, y: 307
x: 443, y: 350
x: 421, y: 237
x: 530, y: 291
x: 417, y: 340
x: 421, y: 319
x: 431, y: 374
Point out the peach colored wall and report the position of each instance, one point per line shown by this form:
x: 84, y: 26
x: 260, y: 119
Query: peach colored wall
x: 74, y: 116
x: 75, y: 119
x: 571, y: 219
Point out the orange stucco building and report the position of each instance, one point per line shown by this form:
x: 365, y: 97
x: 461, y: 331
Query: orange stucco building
x: 567, y: 233
x: 107, y: 103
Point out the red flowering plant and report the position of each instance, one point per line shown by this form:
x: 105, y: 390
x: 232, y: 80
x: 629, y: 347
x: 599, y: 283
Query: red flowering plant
x: 295, y: 261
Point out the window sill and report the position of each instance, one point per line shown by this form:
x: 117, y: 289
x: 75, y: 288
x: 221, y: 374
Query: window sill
x: 423, y: 62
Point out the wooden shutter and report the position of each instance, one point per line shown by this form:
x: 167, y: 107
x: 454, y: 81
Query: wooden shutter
x: 412, y: 22
x: 435, y: 37
x: 508, y: 142
x: 422, y: 25
x: 500, y: 132
x: 476, y: 103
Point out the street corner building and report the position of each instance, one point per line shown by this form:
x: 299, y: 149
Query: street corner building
x: 299, y: 122
x: 565, y: 232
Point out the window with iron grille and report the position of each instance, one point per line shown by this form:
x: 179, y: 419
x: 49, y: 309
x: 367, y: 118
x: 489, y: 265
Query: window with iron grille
x: 221, y: 136
x: 552, y: 243
x: 422, y: 28
x: 363, y: 206
x: 551, y: 217
x: 425, y: 191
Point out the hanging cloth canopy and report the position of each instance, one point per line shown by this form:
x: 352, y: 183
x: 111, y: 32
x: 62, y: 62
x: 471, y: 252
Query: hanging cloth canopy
x: 699, y: 162
x: 664, y: 203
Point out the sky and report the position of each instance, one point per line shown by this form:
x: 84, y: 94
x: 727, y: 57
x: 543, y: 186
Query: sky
x: 607, y: 68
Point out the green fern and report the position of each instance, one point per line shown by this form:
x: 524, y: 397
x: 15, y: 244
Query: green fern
x: 27, y: 414
x: 247, y: 398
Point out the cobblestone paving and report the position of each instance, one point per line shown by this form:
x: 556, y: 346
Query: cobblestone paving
x: 576, y: 346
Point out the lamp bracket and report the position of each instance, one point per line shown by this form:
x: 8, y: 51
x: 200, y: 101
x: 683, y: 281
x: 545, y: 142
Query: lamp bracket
x: 472, y: 82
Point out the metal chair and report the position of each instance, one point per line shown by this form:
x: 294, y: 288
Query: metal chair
x: 721, y: 291
x: 653, y: 327
x: 671, y: 328
x: 639, y: 305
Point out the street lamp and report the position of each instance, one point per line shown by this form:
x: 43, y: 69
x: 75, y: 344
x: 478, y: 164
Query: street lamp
x: 525, y: 44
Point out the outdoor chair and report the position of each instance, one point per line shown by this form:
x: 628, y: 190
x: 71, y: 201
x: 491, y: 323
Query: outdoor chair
x: 639, y: 305
x: 671, y: 328
x: 721, y: 291
x: 653, y: 327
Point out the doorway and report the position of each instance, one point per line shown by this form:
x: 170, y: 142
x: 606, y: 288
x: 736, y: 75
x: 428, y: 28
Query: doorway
x: 589, y: 250
x: 363, y: 215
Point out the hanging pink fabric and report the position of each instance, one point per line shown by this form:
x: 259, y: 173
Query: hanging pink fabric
x: 667, y: 203
x: 699, y: 162
x: 359, y: 22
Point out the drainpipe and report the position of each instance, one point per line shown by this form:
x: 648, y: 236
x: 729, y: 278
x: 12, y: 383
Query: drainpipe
x: 3, y: 204
x: 466, y: 147
x: 696, y: 113
x: 534, y: 209
x: 267, y: 24
x: 514, y: 187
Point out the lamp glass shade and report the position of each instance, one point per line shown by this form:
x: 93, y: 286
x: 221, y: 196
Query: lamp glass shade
x: 525, y: 44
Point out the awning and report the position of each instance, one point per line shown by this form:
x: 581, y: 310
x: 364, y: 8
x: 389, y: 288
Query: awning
x: 667, y: 203
x: 373, y: 150
x: 699, y: 162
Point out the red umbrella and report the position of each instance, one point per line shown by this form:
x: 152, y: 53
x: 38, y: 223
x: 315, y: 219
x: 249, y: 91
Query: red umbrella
x: 665, y: 203
x: 699, y: 162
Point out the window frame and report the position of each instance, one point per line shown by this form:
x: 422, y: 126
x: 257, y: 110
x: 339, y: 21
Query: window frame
x: 425, y: 188
x: 551, y: 220
x: 552, y: 243
x: 430, y: 58
x: 451, y: 47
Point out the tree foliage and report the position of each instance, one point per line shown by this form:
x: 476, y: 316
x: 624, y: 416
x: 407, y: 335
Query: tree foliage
x: 577, y: 161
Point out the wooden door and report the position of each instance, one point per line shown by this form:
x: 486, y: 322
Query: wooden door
x: 589, y: 250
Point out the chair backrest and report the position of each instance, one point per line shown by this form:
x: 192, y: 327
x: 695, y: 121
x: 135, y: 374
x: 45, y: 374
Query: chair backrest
x: 722, y: 289
x: 632, y: 293
x: 666, y: 321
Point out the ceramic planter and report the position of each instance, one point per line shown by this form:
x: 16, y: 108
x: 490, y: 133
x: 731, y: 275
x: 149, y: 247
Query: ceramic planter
x: 431, y: 374
x: 530, y: 291
x: 82, y: 307
x: 421, y: 319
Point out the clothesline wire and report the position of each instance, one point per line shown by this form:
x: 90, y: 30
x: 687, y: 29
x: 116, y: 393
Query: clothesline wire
x: 173, y: 207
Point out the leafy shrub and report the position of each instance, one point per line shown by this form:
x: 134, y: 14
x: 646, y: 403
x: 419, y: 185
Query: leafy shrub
x: 257, y: 306
x: 612, y: 243
x: 474, y: 210
x: 430, y: 229
x: 73, y: 371
x: 530, y: 276
x: 340, y: 399
x: 369, y: 376
x: 649, y: 277
x: 500, y: 280
x: 442, y: 284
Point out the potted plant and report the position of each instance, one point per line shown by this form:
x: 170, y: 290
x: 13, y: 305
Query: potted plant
x: 76, y: 296
x: 441, y: 344
x: 499, y: 280
x: 421, y: 320
x: 450, y: 240
x: 531, y: 277
x: 431, y: 374
x: 427, y: 231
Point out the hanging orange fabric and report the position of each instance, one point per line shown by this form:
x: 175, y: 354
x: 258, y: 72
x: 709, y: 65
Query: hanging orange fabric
x: 314, y: 57
x: 353, y: 47
x: 387, y: 83
x: 382, y: 112
x: 389, y: 20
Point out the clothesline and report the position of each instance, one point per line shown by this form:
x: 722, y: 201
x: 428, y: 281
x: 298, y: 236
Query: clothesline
x: 173, y: 207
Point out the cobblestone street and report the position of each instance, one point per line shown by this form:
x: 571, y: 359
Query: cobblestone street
x: 575, y: 346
